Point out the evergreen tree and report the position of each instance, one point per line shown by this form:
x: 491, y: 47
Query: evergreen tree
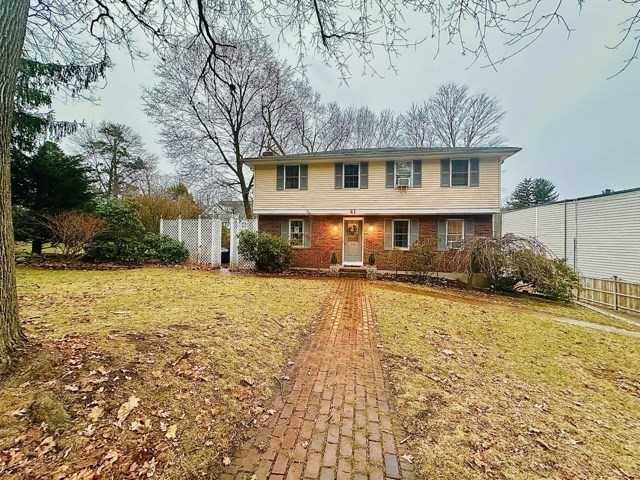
x: 530, y: 192
x: 45, y: 183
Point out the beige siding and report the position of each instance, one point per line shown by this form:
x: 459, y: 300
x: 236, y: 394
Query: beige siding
x: 322, y: 196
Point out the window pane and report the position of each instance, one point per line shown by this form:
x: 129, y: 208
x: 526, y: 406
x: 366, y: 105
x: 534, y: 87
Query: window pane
x: 455, y: 233
x: 403, y: 169
x: 459, y: 172
x: 401, y: 233
x: 296, y: 232
x: 351, y: 175
x: 291, y: 176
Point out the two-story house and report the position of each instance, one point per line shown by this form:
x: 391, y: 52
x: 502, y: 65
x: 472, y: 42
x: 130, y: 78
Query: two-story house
x: 354, y: 202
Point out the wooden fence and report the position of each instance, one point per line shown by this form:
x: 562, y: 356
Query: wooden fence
x: 615, y: 294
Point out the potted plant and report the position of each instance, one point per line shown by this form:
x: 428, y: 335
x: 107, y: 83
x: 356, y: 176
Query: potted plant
x: 371, y: 267
x: 334, y: 268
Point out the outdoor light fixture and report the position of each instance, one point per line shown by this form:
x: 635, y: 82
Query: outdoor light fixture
x: 371, y: 228
x: 335, y: 228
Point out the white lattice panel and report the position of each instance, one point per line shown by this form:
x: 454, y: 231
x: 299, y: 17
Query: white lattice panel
x: 237, y: 225
x: 201, y: 236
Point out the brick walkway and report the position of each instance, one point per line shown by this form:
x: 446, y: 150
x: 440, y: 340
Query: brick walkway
x: 332, y: 420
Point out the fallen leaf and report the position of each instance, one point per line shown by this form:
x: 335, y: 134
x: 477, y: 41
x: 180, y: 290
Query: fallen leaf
x: 171, y: 432
x: 95, y: 413
x: 126, y: 408
x: 226, y: 461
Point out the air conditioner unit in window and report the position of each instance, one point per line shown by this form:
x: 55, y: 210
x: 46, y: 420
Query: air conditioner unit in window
x: 403, y: 182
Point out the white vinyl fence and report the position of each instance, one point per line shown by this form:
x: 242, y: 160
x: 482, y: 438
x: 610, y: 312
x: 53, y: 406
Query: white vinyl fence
x: 203, y: 238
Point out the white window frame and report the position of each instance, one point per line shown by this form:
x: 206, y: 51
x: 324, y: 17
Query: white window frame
x: 301, y: 245
x: 344, y: 184
x: 393, y: 233
x: 285, y: 177
x: 395, y: 172
x: 449, y: 245
x: 451, y: 160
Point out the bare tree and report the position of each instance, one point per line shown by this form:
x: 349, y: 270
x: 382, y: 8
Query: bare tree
x: 74, y: 230
x: 416, y: 126
x: 388, y: 129
x: 209, y: 124
x: 459, y: 119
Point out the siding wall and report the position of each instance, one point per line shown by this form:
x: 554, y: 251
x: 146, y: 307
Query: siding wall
x: 604, y: 230
x: 322, y: 196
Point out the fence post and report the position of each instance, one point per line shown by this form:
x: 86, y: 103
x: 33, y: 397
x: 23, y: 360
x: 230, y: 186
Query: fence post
x: 199, y: 238
x: 232, y: 243
x: 161, y: 226
x: 180, y: 228
x: 615, y: 292
x: 213, y: 239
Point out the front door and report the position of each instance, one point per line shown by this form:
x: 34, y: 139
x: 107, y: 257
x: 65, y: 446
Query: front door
x: 352, y: 242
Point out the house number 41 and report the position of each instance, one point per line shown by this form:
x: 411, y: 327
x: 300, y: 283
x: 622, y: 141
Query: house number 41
x: 352, y: 211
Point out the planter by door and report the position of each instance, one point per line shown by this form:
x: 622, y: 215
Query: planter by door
x: 352, y: 242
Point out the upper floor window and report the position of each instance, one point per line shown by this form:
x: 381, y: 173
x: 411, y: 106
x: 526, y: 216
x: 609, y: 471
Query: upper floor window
x: 455, y: 233
x: 351, y: 175
x: 404, y: 169
x: 291, y: 177
x: 460, y: 173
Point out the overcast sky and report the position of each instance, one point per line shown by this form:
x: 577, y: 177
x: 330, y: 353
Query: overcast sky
x: 576, y: 128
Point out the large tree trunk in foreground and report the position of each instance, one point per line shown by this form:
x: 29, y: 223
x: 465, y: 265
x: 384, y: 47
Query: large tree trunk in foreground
x: 13, y: 23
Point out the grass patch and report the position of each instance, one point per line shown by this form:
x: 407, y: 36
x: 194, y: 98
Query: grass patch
x: 492, y: 389
x: 159, y: 370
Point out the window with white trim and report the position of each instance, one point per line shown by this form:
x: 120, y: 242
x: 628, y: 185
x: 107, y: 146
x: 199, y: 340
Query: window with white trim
x: 351, y: 175
x: 455, y: 234
x: 292, y: 177
x: 401, y: 234
x: 296, y: 233
x: 460, y: 172
x: 403, y: 169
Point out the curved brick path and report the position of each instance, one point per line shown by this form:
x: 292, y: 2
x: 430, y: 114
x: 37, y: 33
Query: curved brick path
x: 332, y: 420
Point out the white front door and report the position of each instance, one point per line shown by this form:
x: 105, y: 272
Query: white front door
x: 352, y: 242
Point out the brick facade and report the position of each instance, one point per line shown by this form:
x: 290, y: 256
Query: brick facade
x: 326, y: 237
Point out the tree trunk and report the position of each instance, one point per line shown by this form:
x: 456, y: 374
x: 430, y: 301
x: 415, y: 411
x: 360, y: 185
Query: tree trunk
x: 36, y: 246
x: 246, y: 200
x: 13, y: 24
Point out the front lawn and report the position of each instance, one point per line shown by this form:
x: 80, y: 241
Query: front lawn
x: 143, y: 372
x: 492, y: 387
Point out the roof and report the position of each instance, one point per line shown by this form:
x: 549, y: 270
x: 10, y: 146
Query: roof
x: 384, y: 153
x: 577, y: 199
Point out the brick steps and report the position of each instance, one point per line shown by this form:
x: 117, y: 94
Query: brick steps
x: 352, y: 272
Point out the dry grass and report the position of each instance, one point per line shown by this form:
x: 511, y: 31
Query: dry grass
x: 491, y: 390
x: 198, y: 349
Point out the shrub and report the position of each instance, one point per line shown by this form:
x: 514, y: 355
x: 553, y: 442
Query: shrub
x: 165, y: 249
x: 422, y: 260
x: 334, y: 258
x: 269, y: 252
x: 152, y: 208
x: 372, y: 258
x: 117, y: 250
x: 512, y: 260
x: 74, y: 230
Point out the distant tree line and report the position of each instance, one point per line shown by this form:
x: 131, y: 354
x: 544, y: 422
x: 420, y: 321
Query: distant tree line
x: 210, y: 122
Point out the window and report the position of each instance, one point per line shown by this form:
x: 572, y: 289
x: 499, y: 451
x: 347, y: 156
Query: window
x: 460, y: 173
x: 351, y: 175
x: 296, y: 233
x: 403, y: 170
x: 401, y: 233
x: 292, y: 177
x: 455, y: 234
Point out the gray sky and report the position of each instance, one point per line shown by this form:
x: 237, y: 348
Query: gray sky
x: 576, y: 128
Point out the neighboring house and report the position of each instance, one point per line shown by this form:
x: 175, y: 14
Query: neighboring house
x: 354, y: 202
x: 599, y: 235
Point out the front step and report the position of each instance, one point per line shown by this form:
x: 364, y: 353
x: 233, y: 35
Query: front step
x: 359, y: 272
